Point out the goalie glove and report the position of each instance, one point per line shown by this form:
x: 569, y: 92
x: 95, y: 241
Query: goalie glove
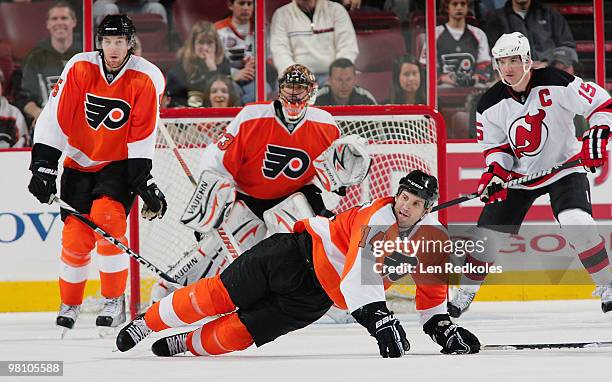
x: 594, y: 151
x: 453, y: 338
x: 344, y: 163
x: 210, y: 202
x: 382, y: 325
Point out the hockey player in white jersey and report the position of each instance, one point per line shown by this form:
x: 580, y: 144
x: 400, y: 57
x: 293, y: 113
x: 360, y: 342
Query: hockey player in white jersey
x: 263, y: 169
x: 524, y: 124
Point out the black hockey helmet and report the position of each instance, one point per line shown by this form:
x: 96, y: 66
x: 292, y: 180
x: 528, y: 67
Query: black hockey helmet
x: 422, y: 185
x: 117, y: 25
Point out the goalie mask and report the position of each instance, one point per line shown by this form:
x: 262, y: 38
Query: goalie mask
x: 297, y: 89
x: 422, y: 185
x: 117, y: 25
x: 512, y: 44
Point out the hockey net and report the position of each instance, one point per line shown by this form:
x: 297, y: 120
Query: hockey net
x: 401, y: 138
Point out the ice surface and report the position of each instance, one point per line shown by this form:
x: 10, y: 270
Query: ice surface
x: 330, y: 352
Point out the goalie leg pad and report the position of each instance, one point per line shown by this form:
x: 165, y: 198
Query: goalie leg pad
x: 209, y: 203
x: 282, y: 217
x: 207, y: 258
x: 245, y: 227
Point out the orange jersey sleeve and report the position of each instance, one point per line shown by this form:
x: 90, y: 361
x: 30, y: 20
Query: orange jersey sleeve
x: 265, y: 158
x: 97, y: 123
x: 342, y: 254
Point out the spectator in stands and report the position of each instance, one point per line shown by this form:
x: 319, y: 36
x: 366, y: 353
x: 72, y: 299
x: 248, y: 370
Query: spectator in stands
x: 407, y: 85
x: 562, y: 60
x: 44, y: 64
x: 237, y: 35
x: 546, y: 29
x: 313, y: 33
x: 200, y: 57
x: 102, y: 8
x: 341, y: 87
x: 462, y: 50
x: 13, y: 129
x: 220, y: 92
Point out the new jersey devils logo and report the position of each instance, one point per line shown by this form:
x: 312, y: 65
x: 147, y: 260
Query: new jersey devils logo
x: 111, y: 112
x: 291, y: 162
x: 528, y: 134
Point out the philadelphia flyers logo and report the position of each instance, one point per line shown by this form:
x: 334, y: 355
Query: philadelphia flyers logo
x: 111, y: 112
x: 528, y: 134
x: 291, y: 162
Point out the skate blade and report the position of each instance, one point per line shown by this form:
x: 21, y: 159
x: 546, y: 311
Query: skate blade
x: 106, y: 331
x: 63, y: 333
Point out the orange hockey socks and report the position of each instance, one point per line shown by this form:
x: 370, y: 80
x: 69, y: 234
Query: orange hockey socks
x: 77, y: 243
x: 113, y: 262
x: 223, y: 335
x: 207, y: 297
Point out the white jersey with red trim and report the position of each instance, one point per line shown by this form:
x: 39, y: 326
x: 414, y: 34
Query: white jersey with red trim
x: 534, y: 130
x: 266, y: 157
x: 97, y: 123
x: 345, y: 262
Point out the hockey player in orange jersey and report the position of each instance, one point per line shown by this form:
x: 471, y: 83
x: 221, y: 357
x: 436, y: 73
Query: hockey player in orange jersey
x: 288, y: 281
x: 269, y: 154
x: 102, y: 114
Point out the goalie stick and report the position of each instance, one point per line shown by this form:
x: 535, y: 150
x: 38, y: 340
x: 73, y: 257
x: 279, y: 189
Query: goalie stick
x: 567, y: 345
x: 227, y: 240
x: 113, y: 240
x: 513, y: 182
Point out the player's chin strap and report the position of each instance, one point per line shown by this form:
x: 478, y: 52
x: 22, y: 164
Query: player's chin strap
x: 513, y: 182
x: 113, y: 240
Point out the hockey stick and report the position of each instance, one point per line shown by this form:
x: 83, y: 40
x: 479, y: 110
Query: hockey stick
x: 513, y: 182
x: 111, y: 239
x: 227, y: 240
x: 568, y: 345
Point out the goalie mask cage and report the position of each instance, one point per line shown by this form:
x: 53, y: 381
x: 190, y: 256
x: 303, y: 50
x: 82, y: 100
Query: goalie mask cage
x: 401, y: 139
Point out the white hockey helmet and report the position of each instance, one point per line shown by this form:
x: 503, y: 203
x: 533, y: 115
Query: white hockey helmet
x: 297, y: 88
x: 512, y: 44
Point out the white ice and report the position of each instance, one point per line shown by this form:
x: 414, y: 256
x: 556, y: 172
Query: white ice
x: 330, y: 352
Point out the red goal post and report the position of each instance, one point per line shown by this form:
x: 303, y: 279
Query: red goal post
x: 401, y: 138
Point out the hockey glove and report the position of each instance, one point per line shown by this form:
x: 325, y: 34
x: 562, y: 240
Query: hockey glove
x: 490, y: 185
x: 155, y: 205
x: 453, y: 338
x: 42, y: 184
x: 594, y: 141
x: 381, y: 324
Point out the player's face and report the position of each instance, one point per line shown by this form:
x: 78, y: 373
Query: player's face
x: 294, y: 98
x: 409, y: 78
x: 242, y: 10
x: 115, y: 50
x: 204, y: 45
x: 341, y: 81
x: 457, y: 9
x: 60, y: 23
x: 408, y: 209
x: 219, y: 94
x: 511, y: 69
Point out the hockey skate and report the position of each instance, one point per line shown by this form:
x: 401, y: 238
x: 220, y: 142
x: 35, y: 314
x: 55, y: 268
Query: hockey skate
x: 460, y: 303
x: 605, y: 292
x: 132, y: 333
x: 111, y: 316
x: 170, y: 346
x: 67, y: 317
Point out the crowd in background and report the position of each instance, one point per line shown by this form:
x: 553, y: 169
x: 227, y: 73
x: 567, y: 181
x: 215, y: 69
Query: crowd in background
x: 212, y: 64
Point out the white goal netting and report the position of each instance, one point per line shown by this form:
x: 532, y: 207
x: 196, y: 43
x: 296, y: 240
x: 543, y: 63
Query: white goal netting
x: 400, y: 139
